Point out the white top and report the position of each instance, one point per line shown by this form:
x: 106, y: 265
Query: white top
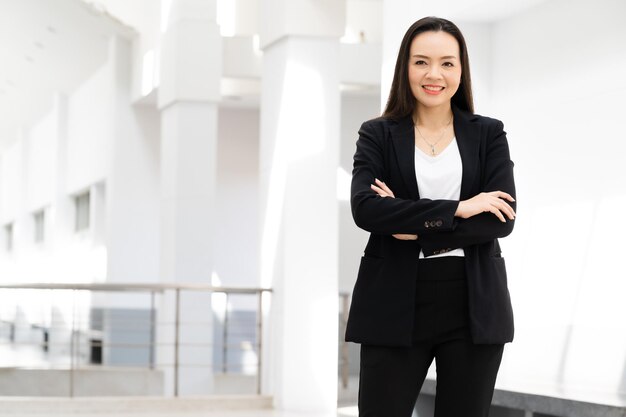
x: 439, y: 178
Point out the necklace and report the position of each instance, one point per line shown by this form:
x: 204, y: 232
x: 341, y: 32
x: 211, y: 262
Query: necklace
x: 432, y: 145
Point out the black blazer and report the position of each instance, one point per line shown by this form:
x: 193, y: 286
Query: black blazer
x: 382, y: 306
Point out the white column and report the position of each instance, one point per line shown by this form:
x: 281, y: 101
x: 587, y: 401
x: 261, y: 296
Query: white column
x: 299, y: 156
x: 132, y: 189
x: 188, y: 95
x: 60, y: 223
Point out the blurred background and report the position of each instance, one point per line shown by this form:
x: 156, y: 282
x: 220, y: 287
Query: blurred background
x: 174, y: 195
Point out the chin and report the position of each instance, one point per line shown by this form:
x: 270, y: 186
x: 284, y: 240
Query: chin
x: 429, y: 102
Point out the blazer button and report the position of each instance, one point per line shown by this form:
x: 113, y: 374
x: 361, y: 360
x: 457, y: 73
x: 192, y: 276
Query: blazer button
x: 426, y: 224
x: 432, y: 223
x: 439, y: 223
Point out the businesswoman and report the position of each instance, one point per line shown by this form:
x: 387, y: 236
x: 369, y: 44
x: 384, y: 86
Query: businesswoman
x: 433, y: 183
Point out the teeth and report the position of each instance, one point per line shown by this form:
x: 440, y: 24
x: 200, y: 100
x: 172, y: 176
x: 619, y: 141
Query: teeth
x: 433, y: 88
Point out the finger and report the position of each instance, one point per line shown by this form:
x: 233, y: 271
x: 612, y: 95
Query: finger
x: 504, y: 207
x: 501, y: 204
x: 499, y: 215
x: 405, y: 237
x: 384, y: 187
x: 507, y: 209
x: 502, y: 194
x: 380, y: 183
x: 379, y: 190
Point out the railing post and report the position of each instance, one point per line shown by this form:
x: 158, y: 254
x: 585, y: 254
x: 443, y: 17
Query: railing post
x: 225, y: 336
x: 72, y: 343
x: 259, y: 340
x: 344, y: 346
x: 152, y: 329
x: 176, y: 341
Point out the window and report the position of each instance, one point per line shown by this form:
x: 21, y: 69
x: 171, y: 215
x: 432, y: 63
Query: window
x: 39, y: 218
x: 81, y: 203
x: 8, y: 233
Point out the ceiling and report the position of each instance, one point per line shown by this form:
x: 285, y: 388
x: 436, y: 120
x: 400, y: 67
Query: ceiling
x: 480, y: 10
x: 47, y: 46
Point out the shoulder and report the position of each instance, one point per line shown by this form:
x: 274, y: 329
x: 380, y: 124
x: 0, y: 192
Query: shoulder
x: 378, y: 127
x: 378, y: 123
x: 487, y: 121
x: 375, y: 130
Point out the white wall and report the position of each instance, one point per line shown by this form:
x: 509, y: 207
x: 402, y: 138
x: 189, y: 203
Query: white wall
x: 10, y: 184
x: 41, y: 168
x: 237, y: 206
x: 559, y: 86
x: 90, y: 128
x: 478, y: 39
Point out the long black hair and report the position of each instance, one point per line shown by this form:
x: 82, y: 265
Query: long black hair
x: 401, y: 101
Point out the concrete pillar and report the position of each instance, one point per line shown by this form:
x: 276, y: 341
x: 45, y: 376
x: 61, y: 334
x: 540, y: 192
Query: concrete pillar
x: 132, y: 189
x: 299, y: 156
x: 188, y: 95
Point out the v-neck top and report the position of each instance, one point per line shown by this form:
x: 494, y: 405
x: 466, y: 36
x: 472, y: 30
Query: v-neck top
x: 439, y: 178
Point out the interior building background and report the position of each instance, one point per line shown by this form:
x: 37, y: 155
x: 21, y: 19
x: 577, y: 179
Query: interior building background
x: 211, y: 142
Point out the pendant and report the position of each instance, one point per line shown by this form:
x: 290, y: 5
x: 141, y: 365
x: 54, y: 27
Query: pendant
x: 432, y: 149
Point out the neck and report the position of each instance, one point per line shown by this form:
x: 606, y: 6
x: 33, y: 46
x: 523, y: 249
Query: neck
x: 433, y: 117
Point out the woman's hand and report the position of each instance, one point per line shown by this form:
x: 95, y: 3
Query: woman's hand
x: 384, y: 191
x: 401, y: 236
x: 492, y: 201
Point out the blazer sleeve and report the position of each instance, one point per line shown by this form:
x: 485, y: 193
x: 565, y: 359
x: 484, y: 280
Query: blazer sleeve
x: 383, y: 215
x: 497, y: 175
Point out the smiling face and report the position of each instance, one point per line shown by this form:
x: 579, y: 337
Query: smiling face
x: 434, y: 68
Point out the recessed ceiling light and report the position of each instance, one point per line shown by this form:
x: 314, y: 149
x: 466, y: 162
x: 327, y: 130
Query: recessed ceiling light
x: 51, y: 29
x: 10, y: 83
x: 2, y: 92
x: 39, y: 44
x: 29, y: 58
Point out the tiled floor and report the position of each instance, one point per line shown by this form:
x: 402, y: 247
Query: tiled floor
x: 342, y: 412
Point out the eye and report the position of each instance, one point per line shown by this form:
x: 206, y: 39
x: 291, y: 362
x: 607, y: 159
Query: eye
x: 420, y: 62
x: 448, y: 64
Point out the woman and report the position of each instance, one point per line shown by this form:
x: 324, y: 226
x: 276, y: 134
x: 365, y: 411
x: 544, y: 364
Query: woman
x: 433, y: 183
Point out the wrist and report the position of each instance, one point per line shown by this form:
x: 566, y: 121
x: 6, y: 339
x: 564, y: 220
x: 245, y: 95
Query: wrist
x: 459, y: 209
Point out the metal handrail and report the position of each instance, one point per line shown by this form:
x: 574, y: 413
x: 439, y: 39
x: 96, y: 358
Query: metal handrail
x: 134, y: 287
x: 152, y: 288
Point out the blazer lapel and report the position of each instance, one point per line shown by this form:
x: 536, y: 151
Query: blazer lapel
x: 403, y: 139
x: 468, y: 139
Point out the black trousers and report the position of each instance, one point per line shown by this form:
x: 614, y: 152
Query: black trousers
x: 391, y: 377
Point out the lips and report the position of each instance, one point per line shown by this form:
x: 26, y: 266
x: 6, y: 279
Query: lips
x: 433, y: 89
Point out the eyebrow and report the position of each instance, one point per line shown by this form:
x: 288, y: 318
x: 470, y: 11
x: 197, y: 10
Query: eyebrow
x: 443, y: 57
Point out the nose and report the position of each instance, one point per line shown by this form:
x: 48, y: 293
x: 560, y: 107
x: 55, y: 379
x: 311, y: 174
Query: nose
x: 434, y: 72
